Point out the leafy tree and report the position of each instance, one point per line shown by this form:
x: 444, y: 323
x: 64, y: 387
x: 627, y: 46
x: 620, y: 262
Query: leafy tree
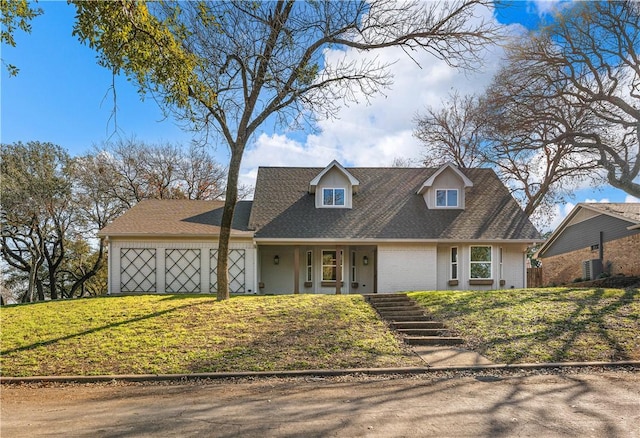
x: 15, y: 14
x: 83, y: 272
x: 53, y: 206
x: 35, y: 195
x: 229, y: 67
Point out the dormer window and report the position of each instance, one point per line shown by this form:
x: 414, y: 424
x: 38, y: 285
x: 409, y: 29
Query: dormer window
x: 445, y: 188
x: 334, y: 187
x: 446, y: 198
x: 333, y: 197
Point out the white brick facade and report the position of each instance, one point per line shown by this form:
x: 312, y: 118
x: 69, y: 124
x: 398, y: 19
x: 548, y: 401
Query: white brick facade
x: 406, y: 268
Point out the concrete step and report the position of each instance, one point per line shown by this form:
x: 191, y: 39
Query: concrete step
x: 397, y: 294
x: 395, y: 301
x: 409, y: 320
x: 433, y: 340
x: 388, y: 304
x: 405, y: 318
x: 388, y: 301
x: 417, y: 325
x: 424, y: 332
x: 397, y: 311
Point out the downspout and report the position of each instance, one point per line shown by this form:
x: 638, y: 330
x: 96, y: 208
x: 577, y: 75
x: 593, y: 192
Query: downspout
x: 109, y: 267
x: 256, y: 260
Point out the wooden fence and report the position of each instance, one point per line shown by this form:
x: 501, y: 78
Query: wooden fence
x: 534, y: 277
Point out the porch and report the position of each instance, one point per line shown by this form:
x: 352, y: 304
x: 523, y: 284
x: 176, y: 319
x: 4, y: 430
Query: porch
x: 317, y: 269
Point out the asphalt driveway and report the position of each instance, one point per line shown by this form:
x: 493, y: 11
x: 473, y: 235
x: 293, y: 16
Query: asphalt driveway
x: 582, y: 404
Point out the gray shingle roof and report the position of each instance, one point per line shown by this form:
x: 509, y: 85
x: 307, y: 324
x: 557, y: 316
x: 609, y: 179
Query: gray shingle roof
x: 629, y: 210
x: 385, y: 207
x: 178, y: 217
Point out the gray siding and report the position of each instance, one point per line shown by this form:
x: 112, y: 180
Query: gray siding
x: 587, y: 233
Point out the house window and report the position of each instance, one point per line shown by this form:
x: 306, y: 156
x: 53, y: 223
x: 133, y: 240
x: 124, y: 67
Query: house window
x: 353, y: 266
x: 309, y: 267
x: 481, y: 262
x: 329, y: 264
x: 454, y: 263
x: 446, y: 198
x: 333, y: 197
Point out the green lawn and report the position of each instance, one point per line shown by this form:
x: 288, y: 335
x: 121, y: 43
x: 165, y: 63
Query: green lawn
x: 190, y: 334
x: 542, y: 325
x: 165, y: 334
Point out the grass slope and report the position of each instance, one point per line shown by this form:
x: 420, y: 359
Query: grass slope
x: 190, y: 334
x: 542, y: 325
x: 165, y: 334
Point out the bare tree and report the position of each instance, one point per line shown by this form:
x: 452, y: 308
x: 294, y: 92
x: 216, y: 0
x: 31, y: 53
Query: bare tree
x: 564, y: 107
x: 452, y: 133
x: 228, y: 67
x: 589, y: 59
x: 200, y: 176
x: 132, y: 171
x: 403, y: 162
x: 525, y: 140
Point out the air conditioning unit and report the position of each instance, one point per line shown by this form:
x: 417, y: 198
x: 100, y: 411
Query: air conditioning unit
x: 591, y: 269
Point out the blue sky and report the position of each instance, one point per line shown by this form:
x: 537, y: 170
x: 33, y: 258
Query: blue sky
x: 62, y: 96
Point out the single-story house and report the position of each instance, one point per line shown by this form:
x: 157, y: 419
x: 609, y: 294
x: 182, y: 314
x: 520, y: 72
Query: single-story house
x: 593, y: 239
x: 332, y: 230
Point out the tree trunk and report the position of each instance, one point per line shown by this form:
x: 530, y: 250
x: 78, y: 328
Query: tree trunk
x: 227, y: 220
x: 30, y: 295
x: 53, y: 289
x: 35, y: 285
x: 80, y: 282
x: 40, y: 289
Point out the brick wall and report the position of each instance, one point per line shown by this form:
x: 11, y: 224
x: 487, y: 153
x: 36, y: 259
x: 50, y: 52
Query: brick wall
x: 621, y: 256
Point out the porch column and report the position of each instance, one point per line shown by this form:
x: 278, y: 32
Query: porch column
x: 338, y: 270
x: 296, y: 269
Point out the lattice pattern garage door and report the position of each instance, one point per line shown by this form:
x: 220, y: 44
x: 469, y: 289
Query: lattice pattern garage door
x: 236, y: 271
x: 137, y: 270
x: 182, y: 270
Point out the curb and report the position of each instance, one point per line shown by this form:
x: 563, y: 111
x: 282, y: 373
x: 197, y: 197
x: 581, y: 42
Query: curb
x: 308, y: 373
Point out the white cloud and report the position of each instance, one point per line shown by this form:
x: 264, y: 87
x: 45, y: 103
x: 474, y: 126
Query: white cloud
x: 373, y: 133
x: 548, y: 7
x: 560, y: 212
x: 630, y: 199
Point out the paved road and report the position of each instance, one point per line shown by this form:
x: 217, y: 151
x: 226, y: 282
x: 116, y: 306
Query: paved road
x: 593, y: 404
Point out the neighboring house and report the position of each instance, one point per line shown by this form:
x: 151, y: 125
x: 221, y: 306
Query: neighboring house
x: 593, y: 239
x: 332, y: 230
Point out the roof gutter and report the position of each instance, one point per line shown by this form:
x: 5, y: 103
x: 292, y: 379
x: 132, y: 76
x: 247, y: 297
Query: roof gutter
x: 247, y: 235
x: 364, y: 241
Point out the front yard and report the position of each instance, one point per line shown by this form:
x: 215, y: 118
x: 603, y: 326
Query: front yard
x: 168, y: 334
x: 542, y: 325
x: 165, y: 334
